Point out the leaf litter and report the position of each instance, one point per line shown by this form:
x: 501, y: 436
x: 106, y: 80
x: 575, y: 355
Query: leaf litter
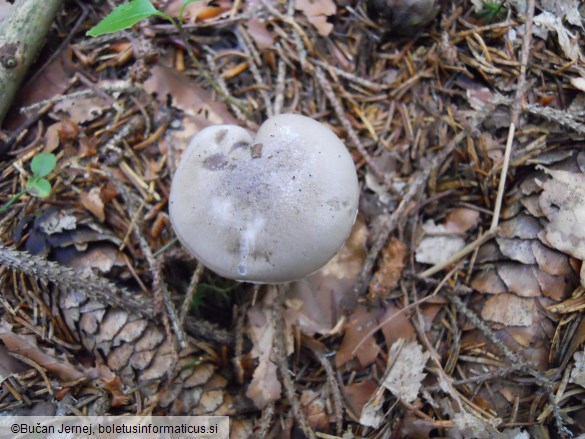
x: 111, y: 192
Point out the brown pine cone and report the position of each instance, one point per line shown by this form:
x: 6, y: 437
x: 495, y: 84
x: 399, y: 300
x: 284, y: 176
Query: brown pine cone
x: 526, y: 277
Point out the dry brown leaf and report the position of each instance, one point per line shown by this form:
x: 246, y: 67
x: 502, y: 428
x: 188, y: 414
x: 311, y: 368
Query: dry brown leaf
x: 315, y: 303
x: 396, y: 325
x: 359, y: 393
x: 9, y: 365
x: 91, y: 201
x: 188, y: 96
x: 197, y: 11
x: 83, y: 108
x: 313, y: 405
x: 390, y: 270
x: 26, y: 345
x: 510, y: 310
x: 406, y: 362
x: 360, y: 323
x: 263, y: 38
x: 53, y: 81
x: 317, y: 12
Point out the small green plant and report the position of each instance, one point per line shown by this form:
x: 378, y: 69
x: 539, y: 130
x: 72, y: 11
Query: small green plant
x: 37, y: 185
x: 128, y: 14
x: 492, y: 11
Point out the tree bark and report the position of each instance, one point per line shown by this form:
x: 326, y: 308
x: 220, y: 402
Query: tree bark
x: 21, y: 38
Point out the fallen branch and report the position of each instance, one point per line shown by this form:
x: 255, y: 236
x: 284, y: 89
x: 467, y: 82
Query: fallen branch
x: 21, y: 39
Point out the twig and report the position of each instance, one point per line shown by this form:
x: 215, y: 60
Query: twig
x: 22, y: 37
x: 191, y: 291
x: 339, y: 112
x: 248, y: 45
x: 279, y: 350
x: 265, y: 421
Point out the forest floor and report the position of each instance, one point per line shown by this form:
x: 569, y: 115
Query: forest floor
x: 455, y: 307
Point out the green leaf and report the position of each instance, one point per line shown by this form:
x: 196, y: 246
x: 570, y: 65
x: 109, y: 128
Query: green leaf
x: 123, y: 17
x: 38, y: 187
x: 43, y: 163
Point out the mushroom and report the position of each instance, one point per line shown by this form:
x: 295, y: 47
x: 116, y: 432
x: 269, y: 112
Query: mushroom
x: 266, y: 209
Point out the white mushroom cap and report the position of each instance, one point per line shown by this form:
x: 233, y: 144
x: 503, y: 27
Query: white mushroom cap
x: 269, y: 209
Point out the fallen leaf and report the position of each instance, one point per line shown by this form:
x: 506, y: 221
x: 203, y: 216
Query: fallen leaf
x: 188, y: 96
x: 396, y: 325
x: 359, y: 393
x: 406, y: 362
x: 26, y: 345
x: 510, y: 310
x: 83, y: 108
x: 317, y: 12
x: 263, y: 38
x: 9, y: 365
x: 566, y: 10
x: 316, y: 303
x: 91, y: 201
x: 265, y: 386
x: 568, y: 41
x: 197, y: 11
x: 360, y: 323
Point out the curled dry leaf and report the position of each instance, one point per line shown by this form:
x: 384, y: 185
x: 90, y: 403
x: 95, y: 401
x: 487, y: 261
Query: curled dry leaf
x: 406, y: 362
x: 83, y: 109
x: 390, y: 270
x: 568, y: 41
x: 92, y: 201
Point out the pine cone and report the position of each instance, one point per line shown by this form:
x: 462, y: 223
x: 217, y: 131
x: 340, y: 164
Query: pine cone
x: 523, y: 275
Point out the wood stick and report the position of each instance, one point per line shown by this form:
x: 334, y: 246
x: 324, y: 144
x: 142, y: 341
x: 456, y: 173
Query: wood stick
x: 21, y: 39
